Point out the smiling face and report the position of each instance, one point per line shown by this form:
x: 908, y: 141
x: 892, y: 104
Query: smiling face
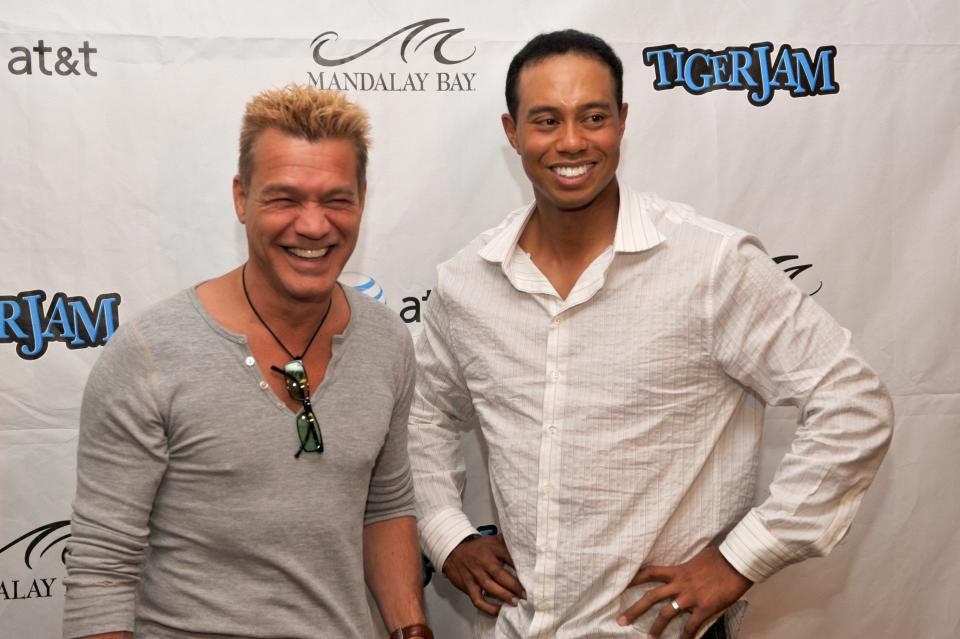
x: 302, y: 212
x: 568, y: 130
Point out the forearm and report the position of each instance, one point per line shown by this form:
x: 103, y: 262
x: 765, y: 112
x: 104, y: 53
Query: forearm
x: 391, y: 563
x: 775, y: 340
x: 844, y: 433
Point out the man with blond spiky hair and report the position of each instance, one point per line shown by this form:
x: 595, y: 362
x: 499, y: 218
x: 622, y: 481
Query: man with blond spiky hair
x: 242, y: 459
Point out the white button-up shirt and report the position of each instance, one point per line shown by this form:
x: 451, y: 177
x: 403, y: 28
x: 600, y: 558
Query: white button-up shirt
x: 623, y: 422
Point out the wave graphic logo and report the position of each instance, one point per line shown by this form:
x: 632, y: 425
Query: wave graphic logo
x: 364, y: 284
x: 414, y: 30
x: 38, y: 536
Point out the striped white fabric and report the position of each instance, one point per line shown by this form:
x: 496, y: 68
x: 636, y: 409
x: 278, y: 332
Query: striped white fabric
x: 623, y: 423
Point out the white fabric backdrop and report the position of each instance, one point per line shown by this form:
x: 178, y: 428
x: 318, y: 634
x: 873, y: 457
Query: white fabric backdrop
x: 119, y: 182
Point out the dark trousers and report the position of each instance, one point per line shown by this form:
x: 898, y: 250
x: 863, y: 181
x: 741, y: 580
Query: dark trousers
x: 717, y: 631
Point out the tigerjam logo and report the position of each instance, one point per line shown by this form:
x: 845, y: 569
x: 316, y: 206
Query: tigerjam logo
x: 64, y: 65
x: 754, y: 69
x: 71, y: 320
x: 417, y: 34
x: 35, y: 587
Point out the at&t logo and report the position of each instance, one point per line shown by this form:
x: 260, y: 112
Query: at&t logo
x: 410, y: 311
x: 66, y: 63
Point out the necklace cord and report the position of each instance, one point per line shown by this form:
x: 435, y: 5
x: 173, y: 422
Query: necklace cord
x: 246, y: 293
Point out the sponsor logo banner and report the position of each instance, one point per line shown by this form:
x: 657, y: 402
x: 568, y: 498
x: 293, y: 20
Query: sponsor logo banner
x: 40, y: 59
x: 408, y: 41
x: 35, y: 543
x: 754, y: 69
x: 71, y: 320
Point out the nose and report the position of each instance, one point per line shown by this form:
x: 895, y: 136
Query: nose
x: 312, y: 222
x: 570, y: 138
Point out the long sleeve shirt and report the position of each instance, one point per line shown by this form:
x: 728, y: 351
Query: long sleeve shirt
x: 623, y: 422
x: 192, y: 516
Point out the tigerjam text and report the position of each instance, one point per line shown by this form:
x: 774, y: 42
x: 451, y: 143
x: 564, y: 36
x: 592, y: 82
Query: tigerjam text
x: 66, y: 319
x: 752, y: 68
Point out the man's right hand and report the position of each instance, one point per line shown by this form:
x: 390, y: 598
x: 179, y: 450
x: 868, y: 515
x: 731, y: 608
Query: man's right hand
x: 477, y: 567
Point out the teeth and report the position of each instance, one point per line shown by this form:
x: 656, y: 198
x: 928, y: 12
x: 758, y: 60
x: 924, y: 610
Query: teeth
x: 570, y: 171
x: 308, y: 253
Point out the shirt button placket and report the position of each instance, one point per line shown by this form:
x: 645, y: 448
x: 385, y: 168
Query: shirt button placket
x: 546, y: 499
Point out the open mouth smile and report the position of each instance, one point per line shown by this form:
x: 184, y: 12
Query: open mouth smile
x: 572, y: 171
x: 308, y: 254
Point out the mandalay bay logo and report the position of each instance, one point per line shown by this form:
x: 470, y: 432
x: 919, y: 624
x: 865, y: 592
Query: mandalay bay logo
x: 35, y: 544
x: 409, y: 41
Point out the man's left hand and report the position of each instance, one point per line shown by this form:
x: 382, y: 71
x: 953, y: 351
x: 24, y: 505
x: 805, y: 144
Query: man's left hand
x: 701, y: 587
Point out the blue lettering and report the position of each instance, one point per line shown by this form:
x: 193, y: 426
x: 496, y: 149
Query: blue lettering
x: 58, y: 320
x: 816, y: 79
x: 762, y: 56
x: 37, y: 345
x: 688, y: 71
x: 740, y: 61
x: 9, y: 314
x: 783, y: 67
x: 68, y: 319
x: 662, y: 77
x: 668, y: 65
x: 96, y: 327
x: 678, y: 61
x: 719, y: 62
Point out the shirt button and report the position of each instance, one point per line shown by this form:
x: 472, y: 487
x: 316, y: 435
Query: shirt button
x: 552, y: 430
x: 250, y: 361
x: 264, y: 385
x: 555, y: 375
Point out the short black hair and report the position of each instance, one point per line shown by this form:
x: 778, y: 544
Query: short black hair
x: 554, y: 43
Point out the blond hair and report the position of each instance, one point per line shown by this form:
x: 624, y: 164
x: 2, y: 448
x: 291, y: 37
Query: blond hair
x: 304, y: 112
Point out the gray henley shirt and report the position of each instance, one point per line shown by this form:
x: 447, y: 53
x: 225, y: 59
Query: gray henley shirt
x: 193, y: 518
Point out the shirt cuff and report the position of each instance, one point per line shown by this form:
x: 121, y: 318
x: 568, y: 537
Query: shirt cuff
x: 753, y: 551
x: 442, y: 531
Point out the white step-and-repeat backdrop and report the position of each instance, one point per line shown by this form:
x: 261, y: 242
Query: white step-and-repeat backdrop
x: 119, y: 125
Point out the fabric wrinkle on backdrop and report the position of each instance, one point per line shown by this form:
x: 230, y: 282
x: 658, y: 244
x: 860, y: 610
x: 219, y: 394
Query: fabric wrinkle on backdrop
x: 120, y: 125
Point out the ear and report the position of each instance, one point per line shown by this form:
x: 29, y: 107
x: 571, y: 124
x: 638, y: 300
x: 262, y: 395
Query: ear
x: 623, y: 118
x: 239, y: 199
x: 510, y: 128
x: 363, y: 197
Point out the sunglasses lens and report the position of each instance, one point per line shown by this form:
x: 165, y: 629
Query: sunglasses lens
x: 295, y: 376
x: 309, y: 431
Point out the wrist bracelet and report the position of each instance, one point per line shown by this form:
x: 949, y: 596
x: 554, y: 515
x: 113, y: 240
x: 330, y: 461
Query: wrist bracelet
x: 414, y: 630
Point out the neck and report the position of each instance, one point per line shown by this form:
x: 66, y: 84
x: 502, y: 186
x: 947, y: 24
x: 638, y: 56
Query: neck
x: 290, y: 319
x: 573, y: 234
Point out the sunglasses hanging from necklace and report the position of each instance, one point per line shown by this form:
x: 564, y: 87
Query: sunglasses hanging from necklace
x: 295, y: 377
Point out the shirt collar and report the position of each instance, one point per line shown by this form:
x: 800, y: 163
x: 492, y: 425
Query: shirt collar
x: 635, y: 229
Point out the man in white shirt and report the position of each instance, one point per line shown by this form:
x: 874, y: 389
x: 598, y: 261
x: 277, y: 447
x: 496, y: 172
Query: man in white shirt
x: 617, y: 351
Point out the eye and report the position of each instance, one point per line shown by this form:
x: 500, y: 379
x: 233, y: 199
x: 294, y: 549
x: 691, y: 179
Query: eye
x: 596, y: 118
x: 546, y: 122
x: 340, y: 203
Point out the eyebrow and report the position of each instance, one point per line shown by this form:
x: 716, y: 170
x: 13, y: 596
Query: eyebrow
x: 279, y: 189
x: 285, y: 189
x: 538, y: 110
